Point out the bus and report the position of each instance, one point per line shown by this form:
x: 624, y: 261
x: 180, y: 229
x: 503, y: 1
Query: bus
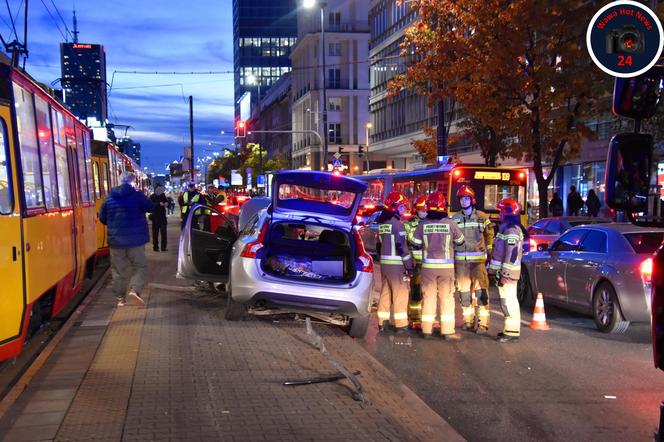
x: 491, y: 184
x: 47, y: 207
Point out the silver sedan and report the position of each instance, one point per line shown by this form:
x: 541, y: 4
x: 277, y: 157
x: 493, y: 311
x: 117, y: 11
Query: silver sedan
x: 603, y: 270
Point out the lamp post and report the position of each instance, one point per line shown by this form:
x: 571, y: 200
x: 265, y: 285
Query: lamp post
x: 321, y: 4
x: 368, y: 127
x: 253, y: 80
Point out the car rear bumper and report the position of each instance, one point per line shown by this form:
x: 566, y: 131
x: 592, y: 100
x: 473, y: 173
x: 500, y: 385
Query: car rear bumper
x: 249, y: 285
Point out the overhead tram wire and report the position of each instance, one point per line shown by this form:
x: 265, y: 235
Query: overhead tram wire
x: 12, y: 28
x: 55, y: 22
x: 62, y: 19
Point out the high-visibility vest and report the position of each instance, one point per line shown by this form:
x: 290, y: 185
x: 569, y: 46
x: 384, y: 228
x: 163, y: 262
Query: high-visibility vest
x: 187, y: 203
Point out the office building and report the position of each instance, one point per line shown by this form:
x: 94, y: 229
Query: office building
x: 346, y: 74
x: 130, y: 148
x: 84, y: 81
x: 263, y: 33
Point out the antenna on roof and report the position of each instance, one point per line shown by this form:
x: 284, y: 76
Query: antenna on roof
x: 75, y: 26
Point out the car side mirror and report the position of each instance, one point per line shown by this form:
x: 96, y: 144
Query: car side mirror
x: 628, y: 172
x: 639, y: 97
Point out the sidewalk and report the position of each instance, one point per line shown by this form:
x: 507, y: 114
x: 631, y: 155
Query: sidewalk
x: 176, y: 370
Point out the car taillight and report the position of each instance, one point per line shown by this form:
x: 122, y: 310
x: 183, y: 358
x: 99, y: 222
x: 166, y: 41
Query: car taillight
x: 533, y: 245
x: 646, y: 271
x: 364, y: 260
x: 251, y: 249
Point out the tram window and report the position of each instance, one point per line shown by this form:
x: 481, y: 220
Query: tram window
x: 82, y: 172
x: 27, y: 135
x: 95, y: 180
x: 5, y: 193
x: 104, y: 177
x: 45, y: 133
x: 495, y: 192
x: 88, y: 160
x: 63, y: 176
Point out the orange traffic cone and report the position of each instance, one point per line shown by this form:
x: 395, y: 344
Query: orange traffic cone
x: 539, y: 317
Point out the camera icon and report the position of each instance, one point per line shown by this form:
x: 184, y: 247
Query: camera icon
x: 625, y: 40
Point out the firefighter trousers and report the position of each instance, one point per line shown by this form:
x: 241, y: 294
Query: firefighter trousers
x: 511, y: 309
x: 438, y: 292
x: 472, y: 277
x: 393, y: 295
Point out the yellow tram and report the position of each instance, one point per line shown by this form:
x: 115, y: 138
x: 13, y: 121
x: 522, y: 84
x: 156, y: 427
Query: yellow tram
x: 47, y: 207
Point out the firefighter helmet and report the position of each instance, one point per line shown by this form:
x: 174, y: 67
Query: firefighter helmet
x: 394, y: 200
x: 508, y: 206
x: 421, y: 202
x: 466, y: 190
x: 437, y: 202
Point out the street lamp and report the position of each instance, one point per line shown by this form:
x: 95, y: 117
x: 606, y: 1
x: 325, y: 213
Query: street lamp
x: 321, y: 4
x: 369, y: 126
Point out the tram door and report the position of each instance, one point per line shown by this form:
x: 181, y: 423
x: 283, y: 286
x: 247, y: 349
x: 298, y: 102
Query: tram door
x: 77, y: 224
x: 12, y: 301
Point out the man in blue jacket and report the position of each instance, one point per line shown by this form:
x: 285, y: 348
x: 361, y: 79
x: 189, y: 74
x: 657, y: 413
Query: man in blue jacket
x: 123, y: 212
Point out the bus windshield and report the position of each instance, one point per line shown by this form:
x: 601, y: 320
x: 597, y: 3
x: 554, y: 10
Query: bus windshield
x: 488, y: 195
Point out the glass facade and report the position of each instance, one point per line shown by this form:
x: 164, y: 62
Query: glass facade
x: 264, y: 31
x: 84, y: 79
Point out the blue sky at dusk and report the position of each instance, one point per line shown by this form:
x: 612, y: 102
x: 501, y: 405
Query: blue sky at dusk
x: 146, y: 35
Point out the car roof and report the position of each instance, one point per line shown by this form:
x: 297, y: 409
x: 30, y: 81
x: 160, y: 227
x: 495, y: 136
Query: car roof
x: 619, y: 228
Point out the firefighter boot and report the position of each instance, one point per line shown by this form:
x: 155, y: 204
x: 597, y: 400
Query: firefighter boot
x: 483, y: 312
x: 468, y: 311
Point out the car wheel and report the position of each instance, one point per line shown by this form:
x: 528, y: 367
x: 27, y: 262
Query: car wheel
x: 524, y: 291
x: 359, y: 326
x: 234, y: 310
x: 606, y: 311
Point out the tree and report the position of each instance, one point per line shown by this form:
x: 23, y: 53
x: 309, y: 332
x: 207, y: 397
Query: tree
x: 519, y: 67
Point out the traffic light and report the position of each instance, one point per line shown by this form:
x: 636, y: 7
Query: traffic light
x: 360, y: 151
x: 241, y: 129
x: 341, y: 149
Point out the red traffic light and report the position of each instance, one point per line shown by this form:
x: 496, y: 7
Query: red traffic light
x: 241, y: 129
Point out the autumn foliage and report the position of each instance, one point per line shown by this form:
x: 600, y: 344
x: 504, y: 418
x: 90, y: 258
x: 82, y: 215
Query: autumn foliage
x: 518, y: 69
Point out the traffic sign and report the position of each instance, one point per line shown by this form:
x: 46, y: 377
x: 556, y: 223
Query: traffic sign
x: 337, y: 163
x: 337, y: 155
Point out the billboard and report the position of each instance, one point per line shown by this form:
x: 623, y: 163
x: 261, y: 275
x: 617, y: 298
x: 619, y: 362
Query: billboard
x: 245, y: 106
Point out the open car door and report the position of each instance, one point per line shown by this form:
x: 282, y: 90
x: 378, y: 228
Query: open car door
x: 205, y: 246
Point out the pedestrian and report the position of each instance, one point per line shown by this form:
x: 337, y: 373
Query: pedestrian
x: 506, y: 267
x: 438, y: 235
x: 396, y: 263
x: 574, y: 202
x: 171, y: 205
x: 415, y: 302
x: 123, y: 212
x: 189, y: 198
x: 593, y: 203
x: 158, y: 218
x: 470, y: 261
x: 556, y: 205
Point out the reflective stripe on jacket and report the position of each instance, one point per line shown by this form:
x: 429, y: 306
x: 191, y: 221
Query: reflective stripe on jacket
x: 393, y: 244
x: 415, y: 250
x: 437, y: 239
x: 477, y: 229
x: 187, y: 203
x: 508, y: 251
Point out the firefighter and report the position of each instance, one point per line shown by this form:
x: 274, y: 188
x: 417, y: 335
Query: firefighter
x: 438, y: 235
x: 415, y: 305
x: 396, y: 263
x: 472, y: 278
x: 506, y: 266
x: 189, y: 198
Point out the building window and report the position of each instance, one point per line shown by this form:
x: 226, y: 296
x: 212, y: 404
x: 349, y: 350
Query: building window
x: 334, y: 103
x: 334, y: 78
x: 334, y: 133
x: 334, y: 49
x: 334, y: 19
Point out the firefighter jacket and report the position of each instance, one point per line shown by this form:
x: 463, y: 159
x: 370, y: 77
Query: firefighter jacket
x: 437, y: 237
x: 415, y: 249
x: 394, y: 244
x: 189, y: 198
x: 477, y: 229
x: 507, y: 252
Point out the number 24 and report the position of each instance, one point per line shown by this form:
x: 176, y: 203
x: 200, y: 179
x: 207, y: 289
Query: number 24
x: 624, y: 61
